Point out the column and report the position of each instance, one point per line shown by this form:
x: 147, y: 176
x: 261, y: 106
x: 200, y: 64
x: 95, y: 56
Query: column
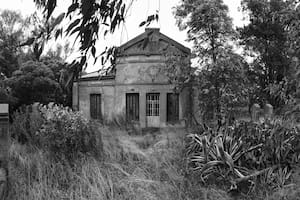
x: 163, y: 108
x: 75, y: 96
x: 142, y: 109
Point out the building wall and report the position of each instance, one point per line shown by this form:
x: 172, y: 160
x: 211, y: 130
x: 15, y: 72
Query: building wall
x: 135, y: 74
x: 145, y: 74
x: 86, y: 88
x: 139, y: 69
x: 120, y: 106
x: 113, y: 100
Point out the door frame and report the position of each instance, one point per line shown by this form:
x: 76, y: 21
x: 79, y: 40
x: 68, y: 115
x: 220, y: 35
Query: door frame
x: 153, y: 109
x: 137, y: 105
x: 169, y: 118
x: 98, y: 115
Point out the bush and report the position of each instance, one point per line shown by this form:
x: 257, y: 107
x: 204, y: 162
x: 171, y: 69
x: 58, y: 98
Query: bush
x: 26, y: 123
x: 65, y: 133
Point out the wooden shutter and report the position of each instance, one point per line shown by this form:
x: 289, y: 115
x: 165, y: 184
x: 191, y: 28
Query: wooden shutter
x: 132, y: 107
x: 95, y: 106
x: 172, y: 107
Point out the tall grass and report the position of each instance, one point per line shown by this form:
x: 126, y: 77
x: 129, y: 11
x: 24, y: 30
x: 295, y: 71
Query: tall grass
x: 136, y: 167
x: 133, y: 168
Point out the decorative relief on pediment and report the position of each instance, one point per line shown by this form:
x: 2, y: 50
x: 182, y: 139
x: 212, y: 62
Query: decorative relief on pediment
x: 151, y: 42
x: 153, y: 46
x: 152, y: 73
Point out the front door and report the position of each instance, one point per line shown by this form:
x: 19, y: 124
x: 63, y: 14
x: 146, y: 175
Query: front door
x: 152, y: 110
x: 172, y: 107
x: 132, y: 107
x: 95, y: 106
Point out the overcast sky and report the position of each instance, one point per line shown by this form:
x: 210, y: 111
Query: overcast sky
x: 138, y: 12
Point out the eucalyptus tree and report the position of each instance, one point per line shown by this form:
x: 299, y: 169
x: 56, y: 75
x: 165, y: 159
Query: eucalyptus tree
x: 12, y: 27
x: 221, y: 71
x: 292, y: 22
x: 272, y: 37
x: 88, y: 19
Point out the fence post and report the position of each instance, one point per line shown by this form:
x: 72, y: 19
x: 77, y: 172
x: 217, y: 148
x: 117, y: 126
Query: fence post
x: 4, y: 148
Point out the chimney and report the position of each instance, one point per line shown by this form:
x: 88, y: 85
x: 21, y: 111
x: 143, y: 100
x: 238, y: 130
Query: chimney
x: 148, y: 29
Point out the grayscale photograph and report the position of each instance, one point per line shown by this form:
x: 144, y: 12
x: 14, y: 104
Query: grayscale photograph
x: 150, y: 100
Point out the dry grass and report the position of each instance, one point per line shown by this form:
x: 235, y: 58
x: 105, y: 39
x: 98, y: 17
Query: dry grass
x: 140, y: 167
x: 134, y: 167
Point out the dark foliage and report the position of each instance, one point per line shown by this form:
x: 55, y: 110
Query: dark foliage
x: 64, y: 133
x: 246, y: 151
x: 33, y: 82
x: 269, y: 38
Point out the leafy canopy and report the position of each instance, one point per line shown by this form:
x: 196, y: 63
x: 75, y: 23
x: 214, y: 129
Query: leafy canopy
x: 12, y: 27
x: 33, y: 82
x: 87, y: 19
x: 221, y: 77
x: 270, y: 36
x: 209, y: 26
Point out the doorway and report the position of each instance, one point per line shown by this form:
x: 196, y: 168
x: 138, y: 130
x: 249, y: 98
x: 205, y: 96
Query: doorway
x: 172, y: 107
x: 132, y: 107
x: 152, y: 110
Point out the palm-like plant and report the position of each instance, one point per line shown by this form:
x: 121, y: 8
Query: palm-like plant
x: 213, y: 153
x: 244, y: 151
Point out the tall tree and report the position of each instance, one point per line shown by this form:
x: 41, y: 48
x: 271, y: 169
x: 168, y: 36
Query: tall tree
x: 88, y: 19
x: 41, y: 31
x: 266, y: 37
x: 55, y: 60
x: 11, y: 34
x: 33, y: 82
x: 292, y: 22
x: 210, y: 28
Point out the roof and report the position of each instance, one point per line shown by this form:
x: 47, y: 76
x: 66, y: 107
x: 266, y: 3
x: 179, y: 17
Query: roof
x: 151, y: 32
x: 92, y: 74
x: 128, y: 49
x: 96, y: 76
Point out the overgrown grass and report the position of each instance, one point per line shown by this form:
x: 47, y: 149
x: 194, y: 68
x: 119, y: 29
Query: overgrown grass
x: 134, y: 167
x: 145, y: 165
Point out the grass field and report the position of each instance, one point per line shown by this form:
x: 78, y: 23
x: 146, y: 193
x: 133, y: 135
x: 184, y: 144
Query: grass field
x: 150, y: 166
x: 133, y: 167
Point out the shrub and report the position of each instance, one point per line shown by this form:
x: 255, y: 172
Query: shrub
x: 67, y: 133
x: 26, y: 122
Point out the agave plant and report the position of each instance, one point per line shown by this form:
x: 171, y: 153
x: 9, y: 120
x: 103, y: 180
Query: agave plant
x: 277, y: 178
x: 246, y: 151
x: 209, y: 154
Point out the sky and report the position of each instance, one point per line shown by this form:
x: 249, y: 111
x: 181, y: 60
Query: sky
x: 137, y: 13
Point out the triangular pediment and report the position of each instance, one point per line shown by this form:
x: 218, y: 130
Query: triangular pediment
x: 151, y: 42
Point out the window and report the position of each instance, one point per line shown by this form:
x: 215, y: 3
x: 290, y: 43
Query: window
x: 152, y: 104
x: 95, y: 106
x: 132, y: 106
x: 172, y: 107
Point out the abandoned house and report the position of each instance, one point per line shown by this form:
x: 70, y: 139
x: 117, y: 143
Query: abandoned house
x: 138, y: 90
